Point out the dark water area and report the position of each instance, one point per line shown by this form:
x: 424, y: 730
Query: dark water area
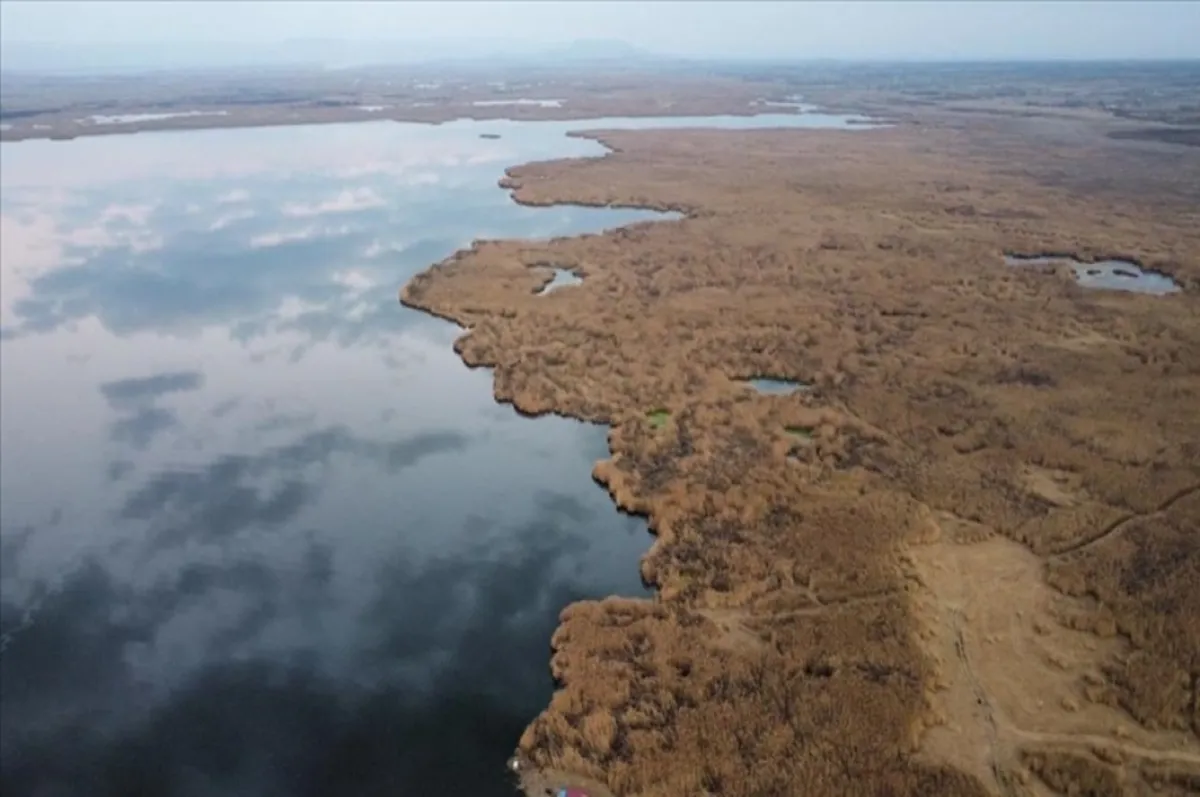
x: 262, y: 532
x: 1111, y: 275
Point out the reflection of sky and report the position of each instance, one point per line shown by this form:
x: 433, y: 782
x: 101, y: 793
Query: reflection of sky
x: 259, y: 523
x: 1109, y: 275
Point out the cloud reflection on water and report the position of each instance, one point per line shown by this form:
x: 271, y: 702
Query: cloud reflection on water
x: 121, y: 392
x: 441, y: 675
x: 297, y: 548
x: 262, y: 532
x: 348, y: 200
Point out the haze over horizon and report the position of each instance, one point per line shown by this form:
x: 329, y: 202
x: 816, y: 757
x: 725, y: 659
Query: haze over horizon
x: 105, y: 34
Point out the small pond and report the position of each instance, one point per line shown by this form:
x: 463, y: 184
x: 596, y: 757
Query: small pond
x: 563, y: 278
x: 792, y: 101
x: 534, y: 103
x: 777, y: 387
x: 1112, y: 275
x: 130, y: 118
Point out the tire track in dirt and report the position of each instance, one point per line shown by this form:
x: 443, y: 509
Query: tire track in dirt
x: 991, y: 726
x: 1009, y: 674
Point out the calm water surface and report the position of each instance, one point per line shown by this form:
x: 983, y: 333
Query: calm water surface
x: 777, y: 387
x: 1110, y: 275
x: 563, y: 278
x: 263, y: 533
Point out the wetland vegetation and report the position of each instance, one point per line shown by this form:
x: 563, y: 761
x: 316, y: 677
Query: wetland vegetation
x: 971, y: 425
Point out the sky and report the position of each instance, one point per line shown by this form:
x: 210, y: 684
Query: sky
x: 942, y: 30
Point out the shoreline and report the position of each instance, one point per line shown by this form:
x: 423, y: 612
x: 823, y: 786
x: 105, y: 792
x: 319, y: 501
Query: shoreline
x: 17, y: 135
x: 538, y: 781
x: 666, y: 475
x: 533, y: 781
x: 695, y: 99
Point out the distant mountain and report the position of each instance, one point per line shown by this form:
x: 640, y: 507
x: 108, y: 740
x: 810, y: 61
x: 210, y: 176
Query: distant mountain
x: 600, y: 50
x: 330, y: 53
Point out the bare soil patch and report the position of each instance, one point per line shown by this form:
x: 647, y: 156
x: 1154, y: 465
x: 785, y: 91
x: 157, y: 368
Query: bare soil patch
x: 1015, y: 682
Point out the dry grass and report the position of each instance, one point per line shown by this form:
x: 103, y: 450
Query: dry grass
x: 827, y: 604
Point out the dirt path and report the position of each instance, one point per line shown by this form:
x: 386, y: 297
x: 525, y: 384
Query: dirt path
x: 1012, y: 679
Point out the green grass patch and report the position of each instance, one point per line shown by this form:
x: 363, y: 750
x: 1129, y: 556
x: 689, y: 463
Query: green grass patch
x: 658, y: 418
x: 805, y: 432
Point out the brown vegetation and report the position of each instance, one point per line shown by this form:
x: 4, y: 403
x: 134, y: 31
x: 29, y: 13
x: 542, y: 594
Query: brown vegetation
x: 978, y: 571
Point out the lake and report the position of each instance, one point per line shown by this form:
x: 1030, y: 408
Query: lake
x: 262, y: 532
